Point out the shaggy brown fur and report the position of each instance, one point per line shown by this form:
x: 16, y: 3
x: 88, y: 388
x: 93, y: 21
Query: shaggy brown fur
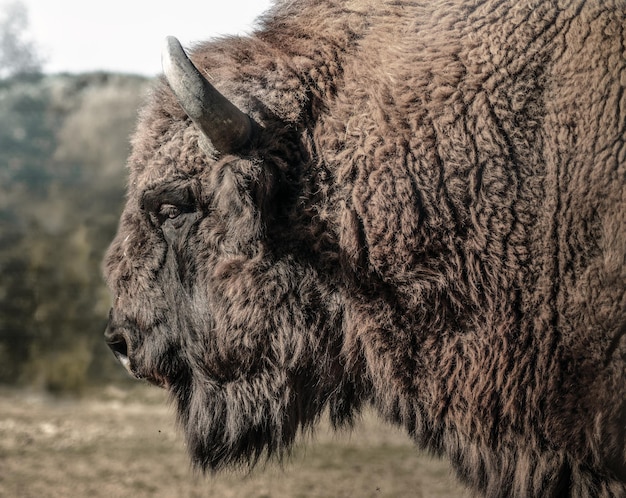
x: 432, y: 220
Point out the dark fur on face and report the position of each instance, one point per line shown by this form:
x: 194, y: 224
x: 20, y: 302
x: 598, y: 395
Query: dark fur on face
x: 234, y: 329
x: 430, y: 219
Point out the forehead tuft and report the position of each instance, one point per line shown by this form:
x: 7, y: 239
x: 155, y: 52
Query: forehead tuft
x: 165, y: 143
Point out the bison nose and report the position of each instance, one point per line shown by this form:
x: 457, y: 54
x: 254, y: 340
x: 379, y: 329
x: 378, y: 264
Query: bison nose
x: 117, y: 341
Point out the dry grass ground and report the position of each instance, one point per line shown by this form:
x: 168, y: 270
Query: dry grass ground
x: 119, y: 443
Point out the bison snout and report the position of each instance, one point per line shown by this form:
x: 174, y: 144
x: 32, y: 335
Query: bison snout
x: 118, y: 342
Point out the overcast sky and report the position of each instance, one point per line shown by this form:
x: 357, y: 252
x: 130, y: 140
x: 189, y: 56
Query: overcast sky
x: 126, y: 35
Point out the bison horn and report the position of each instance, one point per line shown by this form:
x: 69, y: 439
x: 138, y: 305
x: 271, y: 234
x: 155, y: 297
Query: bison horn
x: 227, y: 128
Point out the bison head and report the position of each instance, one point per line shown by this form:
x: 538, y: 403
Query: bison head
x: 209, y: 301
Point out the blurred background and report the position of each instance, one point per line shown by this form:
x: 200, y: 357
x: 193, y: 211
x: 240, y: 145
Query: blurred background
x: 72, y: 75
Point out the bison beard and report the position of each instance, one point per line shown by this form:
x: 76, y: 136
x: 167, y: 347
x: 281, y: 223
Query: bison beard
x: 237, y: 405
x: 237, y: 423
x: 416, y: 205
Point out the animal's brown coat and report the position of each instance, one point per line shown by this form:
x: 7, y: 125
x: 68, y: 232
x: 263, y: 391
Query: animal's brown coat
x: 433, y: 220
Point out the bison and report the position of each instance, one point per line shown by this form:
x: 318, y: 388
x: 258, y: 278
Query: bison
x: 418, y: 206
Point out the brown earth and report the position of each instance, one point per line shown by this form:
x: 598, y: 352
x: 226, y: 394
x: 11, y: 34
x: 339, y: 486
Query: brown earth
x: 124, y: 443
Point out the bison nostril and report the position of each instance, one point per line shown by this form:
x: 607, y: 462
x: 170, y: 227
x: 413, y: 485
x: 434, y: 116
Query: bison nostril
x: 119, y: 346
x: 118, y: 343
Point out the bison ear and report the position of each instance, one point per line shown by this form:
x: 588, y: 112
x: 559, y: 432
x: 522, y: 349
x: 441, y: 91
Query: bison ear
x: 226, y: 127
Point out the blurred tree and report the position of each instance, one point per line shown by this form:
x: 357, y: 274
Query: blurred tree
x: 63, y: 147
x: 18, y: 54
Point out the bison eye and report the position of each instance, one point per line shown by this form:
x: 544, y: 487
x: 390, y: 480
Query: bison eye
x: 172, y: 214
x: 167, y: 205
x: 169, y: 211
